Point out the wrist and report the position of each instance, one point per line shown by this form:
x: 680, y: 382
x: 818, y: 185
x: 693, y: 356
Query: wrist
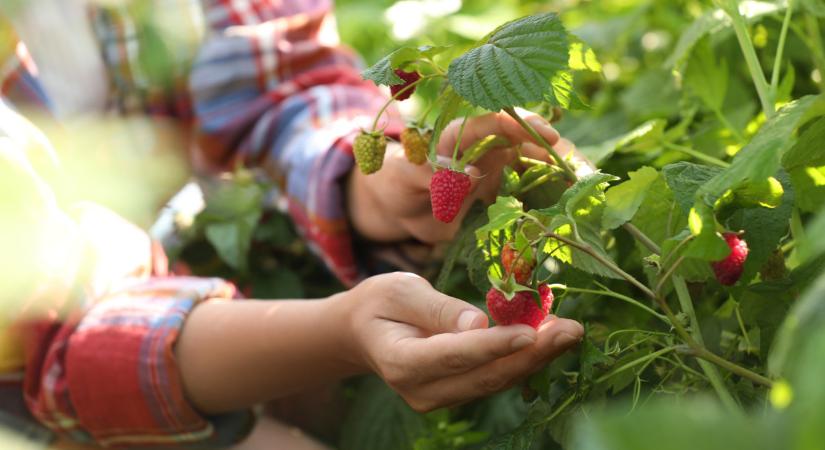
x: 343, y: 314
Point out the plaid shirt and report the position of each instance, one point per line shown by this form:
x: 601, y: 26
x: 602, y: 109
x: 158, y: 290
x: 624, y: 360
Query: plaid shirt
x: 262, y: 82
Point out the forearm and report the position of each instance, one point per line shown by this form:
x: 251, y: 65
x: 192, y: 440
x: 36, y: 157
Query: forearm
x: 235, y: 354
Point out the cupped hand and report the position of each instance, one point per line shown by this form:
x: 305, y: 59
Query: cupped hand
x: 394, y: 203
x: 437, y: 351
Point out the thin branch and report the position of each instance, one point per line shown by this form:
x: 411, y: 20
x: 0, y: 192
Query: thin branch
x: 604, y: 261
x: 641, y: 237
x: 569, y: 172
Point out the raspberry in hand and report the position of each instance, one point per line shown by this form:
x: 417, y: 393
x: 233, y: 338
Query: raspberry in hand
x: 522, y: 308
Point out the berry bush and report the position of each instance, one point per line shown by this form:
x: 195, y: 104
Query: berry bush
x: 694, y: 254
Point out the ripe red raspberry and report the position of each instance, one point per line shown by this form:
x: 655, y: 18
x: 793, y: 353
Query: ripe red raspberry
x: 522, y: 308
x: 729, y: 269
x: 448, y: 189
x: 521, y: 268
x: 409, y: 78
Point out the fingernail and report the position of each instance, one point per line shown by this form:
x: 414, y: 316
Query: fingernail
x: 522, y: 341
x: 468, y: 319
x: 539, y: 122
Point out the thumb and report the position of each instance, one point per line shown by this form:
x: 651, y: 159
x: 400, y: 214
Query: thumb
x: 418, y: 303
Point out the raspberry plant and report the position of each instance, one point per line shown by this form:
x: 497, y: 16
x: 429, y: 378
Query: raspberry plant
x: 651, y: 238
x: 672, y: 357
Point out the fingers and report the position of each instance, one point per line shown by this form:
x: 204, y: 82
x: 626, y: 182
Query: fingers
x: 414, y: 301
x: 454, y: 353
x: 499, y: 124
x: 554, y: 338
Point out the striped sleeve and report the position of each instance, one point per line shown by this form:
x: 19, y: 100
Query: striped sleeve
x: 272, y: 88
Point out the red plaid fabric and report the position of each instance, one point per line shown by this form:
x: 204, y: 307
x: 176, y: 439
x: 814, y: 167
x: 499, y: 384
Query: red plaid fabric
x: 269, y: 86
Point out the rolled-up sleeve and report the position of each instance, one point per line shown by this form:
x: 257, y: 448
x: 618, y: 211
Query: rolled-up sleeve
x: 109, y: 376
x: 272, y: 88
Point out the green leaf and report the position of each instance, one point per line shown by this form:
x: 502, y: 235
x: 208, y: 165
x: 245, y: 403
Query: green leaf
x: 624, y: 200
x: 587, y: 186
x: 562, y: 93
x: 232, y: 239
x: 813, y: 244
x: 685, y: 179
x: 582, y: 56
x: 687, y: 424
x: 523, y: 436
x: 591, y: 357
x: 380, y: 420
x: 706, y: 77
x: 760, y: 158
x: 806, y: 318
x: 809, y: 186
x: 691, y: 269
x: 764, y: 228
x: 809, y: 150
x: 645, y: 137
x: 713, y: 22
x: 514, y: 65
x: 383, y: 72
x: 707, y: 243
x: 503, y: 213
x: 562, y: 225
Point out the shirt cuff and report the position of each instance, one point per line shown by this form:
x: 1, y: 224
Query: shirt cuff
x: 114, y: 379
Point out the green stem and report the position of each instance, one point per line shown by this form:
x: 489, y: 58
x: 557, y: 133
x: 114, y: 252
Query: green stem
x: 632, y: 330
x: 422, y: 119
x: 569, y: 172
x: 676, y: 249
x: 458, y: 142
x: 713, y: 375
x: 636, y: 362
x: 742, y: 327
x: 780, y: 48
x: 604, y: 261
x: 707, y: 355
x: 621, y: 297
x: 667, y: 274
x: 696, y: 154
x: 731, y: 7
x: 812, y: 25
x: 641, y: 237
x: 392, y: 99
x: 797, y: 228
x: 560, y: 409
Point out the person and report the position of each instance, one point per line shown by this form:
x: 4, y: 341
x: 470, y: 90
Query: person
x: 100, y: 345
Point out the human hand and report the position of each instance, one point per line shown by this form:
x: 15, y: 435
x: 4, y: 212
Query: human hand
x: 394, y: 203
x: 437, y: 351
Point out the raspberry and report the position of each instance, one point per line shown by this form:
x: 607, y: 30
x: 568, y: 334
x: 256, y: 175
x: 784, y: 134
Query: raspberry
x: 416, y: 145
x: 522, y: 308
x: 729, y: 269
x: 369, y: 149
x: 409, y: 78
x: 448, y: 189
x: 521, y: 268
